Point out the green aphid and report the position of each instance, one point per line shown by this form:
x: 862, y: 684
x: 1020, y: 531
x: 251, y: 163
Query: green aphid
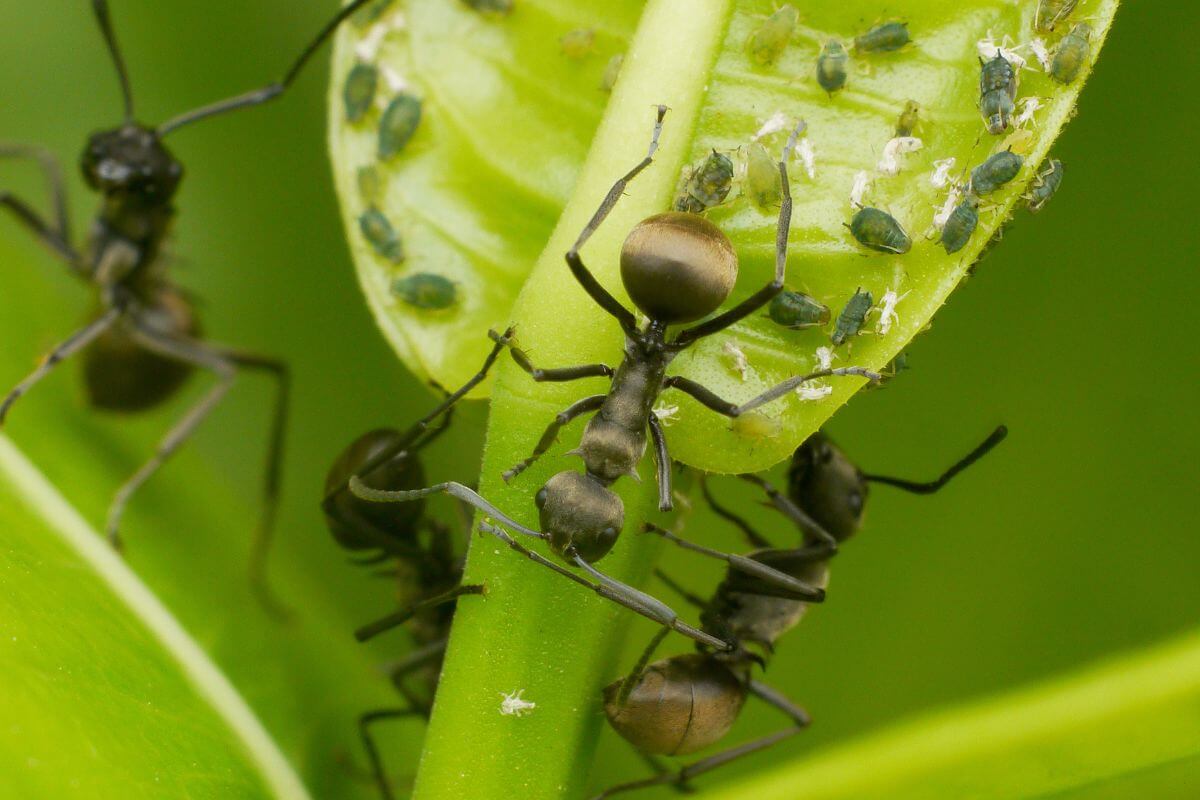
x: 382, y: 236
x: 907, y: 121
x: 880, y: 231
x: 495, y: 7
x: 1052, y: 12
x: 612, y: 71
x: 831, y: 66
x: 577, y: 44
x: 426, y: 290
x: 796, y: 310
x: 1045, y: 184
x: 398, y: 124
x: 369, y: 13
x: 851, y: 320
x: 891, y: 370
x: 707, y: 185
x: 359, y: 91
x: 762, y: 184
x: 369, y: 186
x: 999, y: 169
x: 997, y: 91
x: 768, y: 40
x: 960, y: 225
x: 1072, y: 54
x: 883, y: 38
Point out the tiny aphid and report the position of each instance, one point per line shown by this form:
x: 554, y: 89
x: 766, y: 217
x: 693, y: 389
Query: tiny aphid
x: 426, y: 290
x: 941, y: 172
x: 1072, y: 54
x: 736, y: 357
x: 999, y: 169
x: 577, y: 44
x: 831, y: 66
x: 997, y: 91
x: 851, y: 320
x: 1038, y: 47
x: 768, y: 40
x: 907, y: 121
x: 796, y: 311
x: 491, y: 7
x: 380, y: 234
x: 823, y: 357
x: 858, y: 190
x: 880, y: 231
x: 706, y: 185
x: 514, y: 704
x: 359, y: 91
x: 961, y: 223
x: 1029, y: 108
x: 398, y: 124
x: 989, y: 47
x: 1045, y: 184
x: 1052, y: 12
x: 773, y: 124
x: 369, y: 186
x: 812, y: 392
x: 883, y: 38
x: 808, y: 157
x: 890, y: 161
x: 887, y: 310
x: 612, y: 71
x: 761, y: 181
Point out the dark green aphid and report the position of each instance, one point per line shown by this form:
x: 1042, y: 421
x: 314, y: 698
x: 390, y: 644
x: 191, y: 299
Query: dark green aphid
x: 1072, y: 54
x: 398, y: 124
x: 883, y: 38
x: 761, y: 184
x: 359, y: 91
x: 379, y: 232
x: 368, y: 184
x: 769, y: 39
x: 707, y: 185
x: 960, y: 225
x: 998, y: 170
x: 1045, y: 184
x: 831, y: 66
x: 1052, y: 12
x: 577, y: 44
x: 907, y: 122
x: 491, y: 6
x: 426, y: 290
x: 880, y: 231
x: 796, y: 310
x: 369, y: 13
x: 997, y: 91
x: 850, y: 321
x: 612, y: 71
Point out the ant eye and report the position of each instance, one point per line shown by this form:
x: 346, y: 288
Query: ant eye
x: 539, y: 499
x: 854, y: 501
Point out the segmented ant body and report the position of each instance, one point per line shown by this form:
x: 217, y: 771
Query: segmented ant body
x: 685, y: 703
x: 144, y: 342
x: 677, y: 268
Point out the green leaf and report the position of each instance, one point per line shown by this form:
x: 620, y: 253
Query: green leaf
x: 146, y: 714
x: 1126, y: 728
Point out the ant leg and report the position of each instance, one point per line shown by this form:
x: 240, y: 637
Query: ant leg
x: 364, y: 730
x: 787, y: 585
x: 73, y: 344
x: 709, y: 399
x: 582, y: 274
x: 421, y: 657
x: 662, y: 461
x: 402, y: 616
x: 550, y: 436
x: 755, y: 538
x: 825, y: 545
x: 557, y: 374
x: 635, y: 674
x: 775, y: 286
x: 271, y: 90
x: 58, y: 235
x: 916, y: 487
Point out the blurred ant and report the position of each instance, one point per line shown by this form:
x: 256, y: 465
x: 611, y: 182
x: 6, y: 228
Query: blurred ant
x: 145, y: 341
x: 677, y: 268
x: 685, y: 703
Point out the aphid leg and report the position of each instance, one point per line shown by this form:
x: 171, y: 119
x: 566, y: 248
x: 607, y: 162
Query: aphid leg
x: 662, y: 464
x: 635, y: 674
x: 398, y: 618
x: 755, y: 538
x: 556, y: 374
x: 692, y: 599
x: 57, y: 236
x: 916, y: 487
x: 364, y: 730
x: 271, y: 90
x: 823, y: 542
x: 794, y: 588
x: 711, y: 400
x: 73, y: 344
x: 764, y: 295
x: 584, y: 276
x: 550, y: 435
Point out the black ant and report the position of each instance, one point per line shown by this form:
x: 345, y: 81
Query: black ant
x: 685, y: 703
x: 145, y: 341
x: 677, y: 268
x: 429, y: 572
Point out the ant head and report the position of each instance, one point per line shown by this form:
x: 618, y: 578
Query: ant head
x: 361, y: 525
x: 580, y: 515
x: 131, y: 162
x: 827, y: 485
x: 678, y: 267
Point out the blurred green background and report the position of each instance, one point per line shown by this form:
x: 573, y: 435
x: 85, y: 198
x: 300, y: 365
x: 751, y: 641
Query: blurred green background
x: 1076, y: 539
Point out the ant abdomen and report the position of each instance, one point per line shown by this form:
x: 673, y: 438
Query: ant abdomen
x: 679, y: 705
x: 361, y: 525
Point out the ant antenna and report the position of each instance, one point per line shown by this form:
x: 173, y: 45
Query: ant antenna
x: 110, y: 38
x: 996, y: 437
x: 268, y: 92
